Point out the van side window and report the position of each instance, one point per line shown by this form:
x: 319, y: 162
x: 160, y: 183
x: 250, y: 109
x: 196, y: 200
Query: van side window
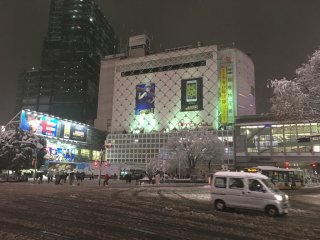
x: 220, y: 182
x: 236, y: 183
x: 254, y: 185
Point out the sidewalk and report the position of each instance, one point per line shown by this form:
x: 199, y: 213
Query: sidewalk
x: 312, y: 185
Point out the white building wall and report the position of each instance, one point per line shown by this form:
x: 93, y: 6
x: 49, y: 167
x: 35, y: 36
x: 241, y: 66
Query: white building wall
x: 243, y: 82
x: 167, y: 114
x: 117, y: 92
x: 245, y: 76
x: 105, y: 98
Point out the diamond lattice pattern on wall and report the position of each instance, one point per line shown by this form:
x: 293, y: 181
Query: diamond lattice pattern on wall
x: 165, y: 70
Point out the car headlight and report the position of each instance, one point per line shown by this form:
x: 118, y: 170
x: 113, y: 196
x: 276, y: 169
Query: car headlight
x: 286, y: 197
x: 279, y: 197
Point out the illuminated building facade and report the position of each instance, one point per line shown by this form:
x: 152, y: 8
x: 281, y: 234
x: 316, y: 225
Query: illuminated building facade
x: 67, y: 82
x: 145, y: 98
x: 183, y: 88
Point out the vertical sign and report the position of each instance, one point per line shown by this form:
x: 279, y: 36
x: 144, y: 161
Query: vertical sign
x: 230, y: 94
x: 223, y: 96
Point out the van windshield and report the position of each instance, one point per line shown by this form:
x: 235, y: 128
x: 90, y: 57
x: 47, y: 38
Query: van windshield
x: 270, y: 185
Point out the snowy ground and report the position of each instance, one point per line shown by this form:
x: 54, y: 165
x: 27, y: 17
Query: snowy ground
x: 123, y: 211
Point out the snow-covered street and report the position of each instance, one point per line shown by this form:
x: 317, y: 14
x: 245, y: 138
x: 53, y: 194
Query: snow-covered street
x: 123, y: 211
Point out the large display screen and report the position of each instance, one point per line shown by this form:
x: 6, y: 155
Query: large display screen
x: 39, y: 123
x: 145, y: 96
x: 191, y: 94
x: 73, y: 131
x: 42, y: 124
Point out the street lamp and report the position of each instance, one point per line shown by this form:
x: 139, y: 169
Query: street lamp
x: 179, y: 164
x: 35, y: 152
x: 106, y: 146
x: 101, y: 156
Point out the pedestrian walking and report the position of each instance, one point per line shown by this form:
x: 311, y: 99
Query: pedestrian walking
x: 40, y: 177
x: 50, y: 176
x: 106, y: 179
x: 71, y: 178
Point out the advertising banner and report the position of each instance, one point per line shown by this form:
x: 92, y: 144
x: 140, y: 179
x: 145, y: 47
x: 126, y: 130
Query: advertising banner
x: 230, y: 80
x: 191, y: 94
x: 42, y: 124
x: 223, y: 96
x: 145, y: 96
x: 39, y: 124
x: 73, y: 131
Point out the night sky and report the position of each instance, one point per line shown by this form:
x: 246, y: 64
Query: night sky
x: 278, y: 34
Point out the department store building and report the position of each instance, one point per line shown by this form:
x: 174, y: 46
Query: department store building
x: 146, y: 97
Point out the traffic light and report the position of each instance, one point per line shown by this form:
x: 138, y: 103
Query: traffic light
x: 108, y: 145
x: 95, y: 163
x: 314, y: 165
x: 286, y: 165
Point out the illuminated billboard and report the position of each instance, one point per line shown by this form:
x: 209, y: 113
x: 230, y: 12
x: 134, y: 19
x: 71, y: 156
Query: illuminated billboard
x: 191, y: 94
x: 39, y: 123
x: 223, y: 96
x: 60, y: 151
x: 145, y: 98
x: 226, y: 95
x: 73, y: 131
x: 42, y: 124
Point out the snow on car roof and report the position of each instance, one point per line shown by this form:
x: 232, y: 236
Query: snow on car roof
x: 239, y: 174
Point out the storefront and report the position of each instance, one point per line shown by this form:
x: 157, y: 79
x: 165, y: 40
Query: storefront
x: 260, y: 141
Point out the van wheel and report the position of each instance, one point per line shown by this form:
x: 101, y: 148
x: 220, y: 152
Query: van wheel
x: 272, y: 211
x: 219, y: 205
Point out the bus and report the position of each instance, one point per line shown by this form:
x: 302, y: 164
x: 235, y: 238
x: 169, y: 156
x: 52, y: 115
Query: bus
x: 283, y: 178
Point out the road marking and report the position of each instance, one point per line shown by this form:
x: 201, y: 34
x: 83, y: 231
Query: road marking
x: 141, y: 230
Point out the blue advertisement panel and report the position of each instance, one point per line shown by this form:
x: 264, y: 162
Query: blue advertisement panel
x: 38, y: 123
x: 145, y: 96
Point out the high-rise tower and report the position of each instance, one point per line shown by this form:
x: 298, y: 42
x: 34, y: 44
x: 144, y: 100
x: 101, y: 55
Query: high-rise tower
x: 66, y: 84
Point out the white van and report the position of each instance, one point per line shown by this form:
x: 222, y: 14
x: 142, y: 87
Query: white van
x: 248, y: 191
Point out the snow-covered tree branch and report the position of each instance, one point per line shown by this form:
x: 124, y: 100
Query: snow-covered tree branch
x: 18, y: 147
x: 298, y: 99
x: 195, y: 148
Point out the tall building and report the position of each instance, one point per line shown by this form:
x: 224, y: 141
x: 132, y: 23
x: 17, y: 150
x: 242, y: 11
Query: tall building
x: 67, y: 82
x: 144, y: 99
x: 181, y: 88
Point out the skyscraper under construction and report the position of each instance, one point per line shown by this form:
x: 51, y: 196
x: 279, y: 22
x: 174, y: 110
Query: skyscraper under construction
x: 66, y: 84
